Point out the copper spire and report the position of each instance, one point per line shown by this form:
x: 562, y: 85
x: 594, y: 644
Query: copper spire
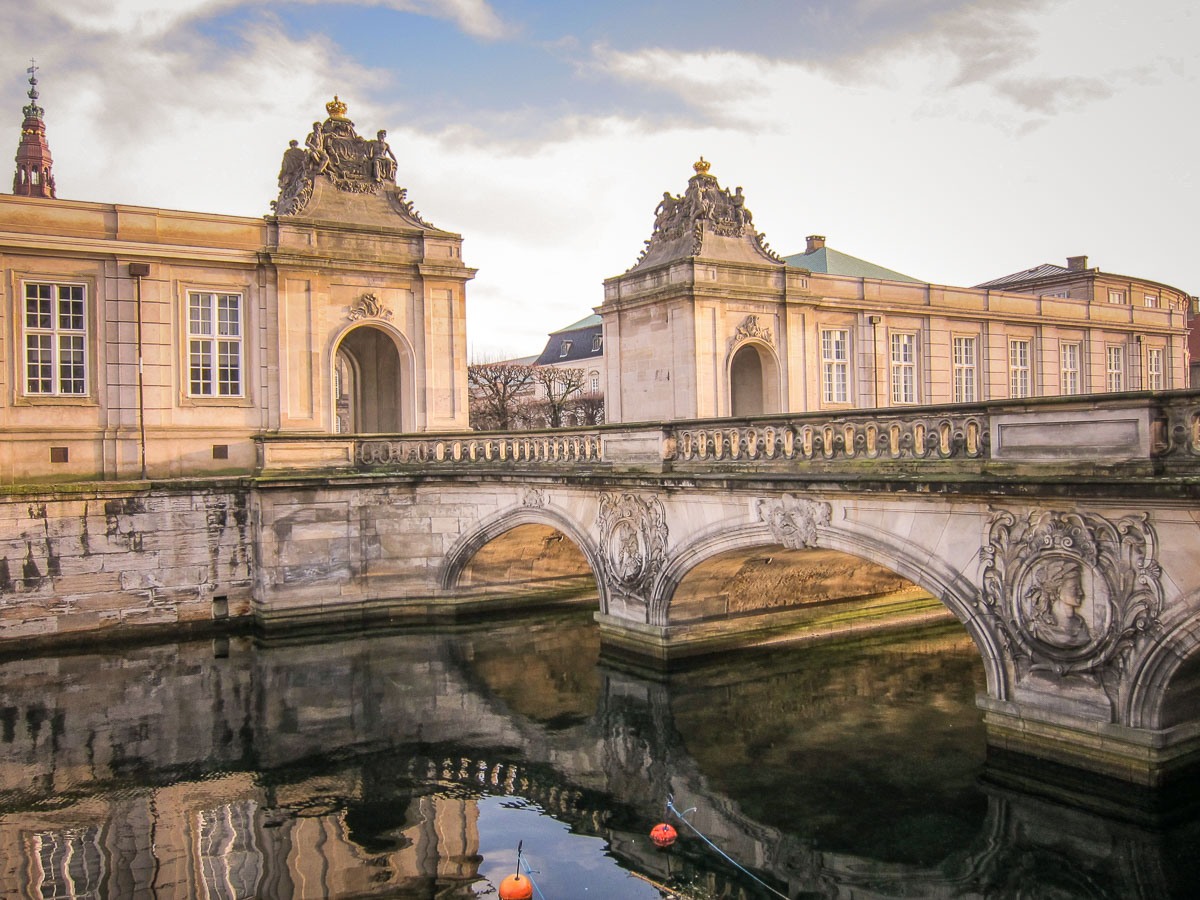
x: 33, y: 177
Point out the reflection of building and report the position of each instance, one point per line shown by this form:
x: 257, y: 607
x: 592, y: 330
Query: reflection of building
x: 710, y: 322
x: 175, y: 336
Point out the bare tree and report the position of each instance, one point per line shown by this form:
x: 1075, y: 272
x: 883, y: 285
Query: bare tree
x: 559, y: 387
x: 496, y: 393
x: 589, y: 408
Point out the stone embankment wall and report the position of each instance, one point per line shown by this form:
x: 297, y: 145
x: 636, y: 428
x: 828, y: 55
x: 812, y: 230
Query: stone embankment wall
x: 82, y: 560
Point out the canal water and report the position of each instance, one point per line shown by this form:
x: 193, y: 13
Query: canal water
x: 410, y: 765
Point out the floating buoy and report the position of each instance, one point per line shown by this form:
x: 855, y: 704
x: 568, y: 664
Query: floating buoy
x: 663, y: 835
x: 516, y: 887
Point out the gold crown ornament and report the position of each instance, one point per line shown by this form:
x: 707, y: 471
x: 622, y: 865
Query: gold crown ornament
x: 702, y: 166
x: 336, y: 108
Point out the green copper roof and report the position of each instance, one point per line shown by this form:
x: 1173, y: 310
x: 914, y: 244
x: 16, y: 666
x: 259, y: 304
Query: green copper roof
x: 833, y: 262
x: 591, y: 320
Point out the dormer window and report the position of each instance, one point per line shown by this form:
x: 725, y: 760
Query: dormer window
x: 564, y: 349
x: 597, y: 343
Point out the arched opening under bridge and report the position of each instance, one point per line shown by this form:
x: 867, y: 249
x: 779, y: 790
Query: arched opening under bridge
x: 532, y: 559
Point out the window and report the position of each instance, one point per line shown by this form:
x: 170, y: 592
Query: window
x: 1018, y: 367
x: 55, y: 340
x: 1069, y: 356
x: 214, y: 344
x: 1151, y: 299
x: 1115, y: 358
x: 1154, y: 369
x: 595, y: 382
x: 964, y: 370
x: 597, y: 343
x: 904, y: 367
x: 1116, y: 296
x: 835, y: 365
x: 564, y: 348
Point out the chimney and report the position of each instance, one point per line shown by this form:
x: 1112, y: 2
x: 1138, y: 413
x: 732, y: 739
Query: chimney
x: 1077, y: 263
x: 817, y: 242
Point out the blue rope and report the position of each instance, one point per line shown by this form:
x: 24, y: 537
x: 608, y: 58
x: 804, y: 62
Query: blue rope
x: 730, y: 859
x: 529, y: 875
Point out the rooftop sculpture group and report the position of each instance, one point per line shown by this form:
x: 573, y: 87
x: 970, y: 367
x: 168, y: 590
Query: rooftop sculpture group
x: 705, y: 208
x: 352, y: 163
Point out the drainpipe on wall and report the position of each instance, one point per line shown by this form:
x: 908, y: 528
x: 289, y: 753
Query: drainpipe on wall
x: 137, y: 271
x: 875, y: 320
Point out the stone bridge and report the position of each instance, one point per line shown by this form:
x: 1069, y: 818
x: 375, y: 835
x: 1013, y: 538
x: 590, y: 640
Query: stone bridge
x: 1061, y: 532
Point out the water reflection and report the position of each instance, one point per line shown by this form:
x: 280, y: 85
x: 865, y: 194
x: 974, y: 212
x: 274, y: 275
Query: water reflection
x: 408, y: 765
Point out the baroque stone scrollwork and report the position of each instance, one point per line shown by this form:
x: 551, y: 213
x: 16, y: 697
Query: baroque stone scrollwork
x: 534, y: 498
x: 369, y: 307
x: 633, y: 541
x: 335, y: 150
x: 749, y: 328
x: 794, y: 520
x: 1073, y: 592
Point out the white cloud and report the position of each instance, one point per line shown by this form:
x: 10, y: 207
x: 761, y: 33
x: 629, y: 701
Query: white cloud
x: 152, y: 18
x: 1080, y: 142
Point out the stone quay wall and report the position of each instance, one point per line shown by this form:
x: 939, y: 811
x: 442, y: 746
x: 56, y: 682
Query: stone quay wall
x: 123, y: 556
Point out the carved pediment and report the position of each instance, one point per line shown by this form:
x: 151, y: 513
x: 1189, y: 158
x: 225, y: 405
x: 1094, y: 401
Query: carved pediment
x: 750, y: 329
x: 707, y: 220
x: 335, y: 155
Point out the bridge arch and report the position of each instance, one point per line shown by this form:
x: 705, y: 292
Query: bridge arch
x: 952, y: 588
x: 459, y: 557
x: 1152, y: 676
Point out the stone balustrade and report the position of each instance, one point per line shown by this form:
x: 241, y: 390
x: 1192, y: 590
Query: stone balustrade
x: 1098, y: 428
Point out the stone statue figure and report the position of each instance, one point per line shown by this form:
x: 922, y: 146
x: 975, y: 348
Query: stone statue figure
x: 383, y: 161
x: 318, y: 159
x: 665, y: 211
x: 1055, y: 596
x: 295, y: 161
x: 740, y: 213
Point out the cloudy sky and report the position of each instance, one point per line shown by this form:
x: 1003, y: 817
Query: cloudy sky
x: 953, y: 140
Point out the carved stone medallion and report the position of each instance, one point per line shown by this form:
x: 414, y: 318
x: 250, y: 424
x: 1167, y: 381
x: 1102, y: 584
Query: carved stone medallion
x: 633, y: 541
x: 1073, y: 592
x: 794, y: 520
x: 369, y: 307
x: 535, y: 498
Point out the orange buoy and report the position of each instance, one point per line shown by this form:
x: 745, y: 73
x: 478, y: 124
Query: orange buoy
x: 516, y: 887
x: 663, y: 835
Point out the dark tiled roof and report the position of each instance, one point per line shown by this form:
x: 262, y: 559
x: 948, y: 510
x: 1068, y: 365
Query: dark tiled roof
x: 582, y: 337
x: 1045, y: 270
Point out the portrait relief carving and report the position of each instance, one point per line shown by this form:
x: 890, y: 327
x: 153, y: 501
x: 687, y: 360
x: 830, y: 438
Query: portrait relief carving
x: 794, y: 520
x: 1072, y: 591
x: 534, y: 498
x: 633, y: 541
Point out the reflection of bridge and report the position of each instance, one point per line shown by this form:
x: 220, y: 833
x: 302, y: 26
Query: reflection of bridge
x: 1060, y: 531
x: 341, y: 725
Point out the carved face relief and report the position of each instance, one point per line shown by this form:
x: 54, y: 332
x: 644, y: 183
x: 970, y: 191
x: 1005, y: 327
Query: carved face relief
x: 1073, y: 592
x: 633, y: 541
x: 794, y: 520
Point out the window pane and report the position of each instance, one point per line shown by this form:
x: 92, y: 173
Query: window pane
x: 200, y: 367
x: 38, y: 364
x: 229, y: 378
x: 229, y: 315
x: 70, y: 307
x: 200, y: 314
